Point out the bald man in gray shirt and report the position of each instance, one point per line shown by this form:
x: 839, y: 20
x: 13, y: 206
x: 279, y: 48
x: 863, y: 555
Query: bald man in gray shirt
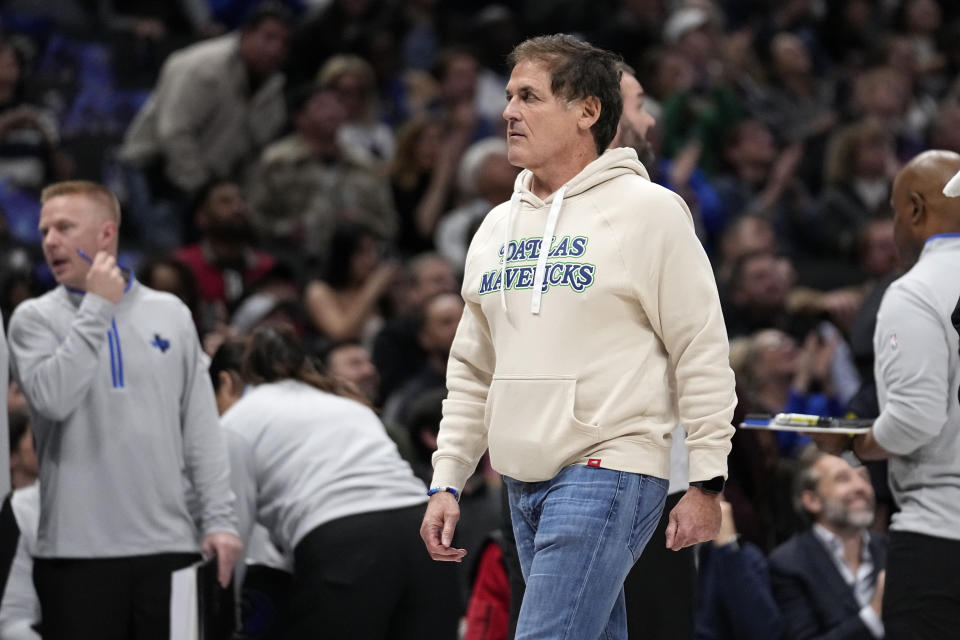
x: 917, y: 368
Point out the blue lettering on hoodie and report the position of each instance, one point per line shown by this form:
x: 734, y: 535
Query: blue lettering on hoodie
x: 578, y: 276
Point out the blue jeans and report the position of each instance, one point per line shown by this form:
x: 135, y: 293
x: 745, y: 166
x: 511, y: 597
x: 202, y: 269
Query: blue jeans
x: 578, y: 535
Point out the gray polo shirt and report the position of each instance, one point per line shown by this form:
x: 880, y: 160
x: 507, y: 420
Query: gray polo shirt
x: 918, y: 373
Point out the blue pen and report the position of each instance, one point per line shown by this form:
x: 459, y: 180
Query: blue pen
x: 83, y: 254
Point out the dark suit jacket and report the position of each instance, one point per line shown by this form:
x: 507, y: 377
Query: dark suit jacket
x: 815, y: 602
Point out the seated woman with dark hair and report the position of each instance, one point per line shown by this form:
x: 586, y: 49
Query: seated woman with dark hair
x: 320, y: 473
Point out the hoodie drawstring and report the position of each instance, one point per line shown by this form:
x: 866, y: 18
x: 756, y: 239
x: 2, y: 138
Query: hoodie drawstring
x: 507, y: 229
x: 545, y: 242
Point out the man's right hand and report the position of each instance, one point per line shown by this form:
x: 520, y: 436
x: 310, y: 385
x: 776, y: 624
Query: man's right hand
x: 439, y: 523
x: 104, y: 277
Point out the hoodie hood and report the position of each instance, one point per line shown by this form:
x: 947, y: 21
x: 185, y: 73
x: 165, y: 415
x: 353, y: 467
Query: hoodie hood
x: 612, y: 164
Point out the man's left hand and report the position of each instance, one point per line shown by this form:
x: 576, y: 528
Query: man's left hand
x: 227, y: 547
x: 696, y: 518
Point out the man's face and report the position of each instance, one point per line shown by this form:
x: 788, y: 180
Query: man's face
x: 353, y: 363
x: 459, y: 82
x: 880, y: 256
x: 541, y: 127
x: 264, y: 47
x: 224, y: 216
x: 635, y: 121
x: 322, y: 115
x: 846, y: 498
x: 761, y: 285
x: 442, y: 319
x: 433, y: 277
x: 68, y: 223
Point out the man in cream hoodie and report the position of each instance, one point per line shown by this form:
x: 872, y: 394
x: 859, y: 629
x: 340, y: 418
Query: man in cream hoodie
x: 592, y: 328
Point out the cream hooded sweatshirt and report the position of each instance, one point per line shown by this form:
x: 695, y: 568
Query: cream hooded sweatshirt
x: 623, y: 340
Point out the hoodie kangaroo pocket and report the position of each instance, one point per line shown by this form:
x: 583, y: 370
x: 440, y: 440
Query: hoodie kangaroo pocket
x: 532, y: 432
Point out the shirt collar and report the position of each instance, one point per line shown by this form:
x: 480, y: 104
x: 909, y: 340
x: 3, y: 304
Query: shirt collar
x: 834, y: 543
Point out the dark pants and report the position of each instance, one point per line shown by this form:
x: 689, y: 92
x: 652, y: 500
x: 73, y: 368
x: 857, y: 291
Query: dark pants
x: 107, y: 598
x: 921, y: 598
x: 661, y: 586
x: 369, y: 576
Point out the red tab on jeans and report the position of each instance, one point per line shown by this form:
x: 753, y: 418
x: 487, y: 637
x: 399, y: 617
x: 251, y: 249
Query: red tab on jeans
x: 593, y: 462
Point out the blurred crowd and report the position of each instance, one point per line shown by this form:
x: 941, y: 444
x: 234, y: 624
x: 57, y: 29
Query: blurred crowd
x: 324, y: 163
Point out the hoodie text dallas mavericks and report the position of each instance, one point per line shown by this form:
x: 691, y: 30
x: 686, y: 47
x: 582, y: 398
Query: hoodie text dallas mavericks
x: 592, y: 351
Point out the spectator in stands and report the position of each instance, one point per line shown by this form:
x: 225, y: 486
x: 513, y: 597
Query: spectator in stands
x: 882, y: 94
x: 23, y: 456
x: 225, y: 261
x: 756, y: 294
x: 762, y: 180
x: 784, y: 377
x: 860, y: 165
x: 734, y: 599
x: 701, y: 105
x: 396, y: 351
x: 344, y: 305
x: 30, y: 153
x: 216, y: 105
x: 350, y: 361
x: 423, y: 174
x: 308, y: 184
x: 829, y: 579
x: 439, y: 318
x: 485, y: 179
x: 319, y: 471
x: 945, y: 129
x: 747, y: 234
x: 364, y: 133
x: 798, y: 105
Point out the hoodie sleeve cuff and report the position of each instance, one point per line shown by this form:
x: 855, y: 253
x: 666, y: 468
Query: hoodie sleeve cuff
x: 450, y: 472
x: 707, y: 463
x: 97, y: 306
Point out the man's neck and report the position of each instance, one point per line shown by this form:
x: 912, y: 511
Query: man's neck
x: 323, y: 146
x: 852, y: 540
x: 548, y: 179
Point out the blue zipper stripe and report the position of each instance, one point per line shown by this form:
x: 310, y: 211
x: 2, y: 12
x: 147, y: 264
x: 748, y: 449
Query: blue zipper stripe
x: 116, y: 335
x: 113, y: 362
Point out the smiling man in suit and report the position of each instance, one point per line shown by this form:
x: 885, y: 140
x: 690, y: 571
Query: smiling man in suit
x: 828, y: 580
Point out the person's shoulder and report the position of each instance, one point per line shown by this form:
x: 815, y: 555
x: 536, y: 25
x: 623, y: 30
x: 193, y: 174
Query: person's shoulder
x: 153, y: 299
x: 792, y: 553
x: 189, y: 253
x: 632, y: 201
x: 286, y: 150
x: 198, y: 57
x: 41, y: 305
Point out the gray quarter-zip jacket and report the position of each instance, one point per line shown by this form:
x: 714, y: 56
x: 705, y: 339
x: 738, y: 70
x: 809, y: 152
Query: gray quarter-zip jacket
x: 124, y: 419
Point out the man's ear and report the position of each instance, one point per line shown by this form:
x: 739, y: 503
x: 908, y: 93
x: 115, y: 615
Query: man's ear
x: 589, y: 112
x: 811, y: 502
x: 108, y: 234
x: 226, y: 383
x: 918, y: 208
